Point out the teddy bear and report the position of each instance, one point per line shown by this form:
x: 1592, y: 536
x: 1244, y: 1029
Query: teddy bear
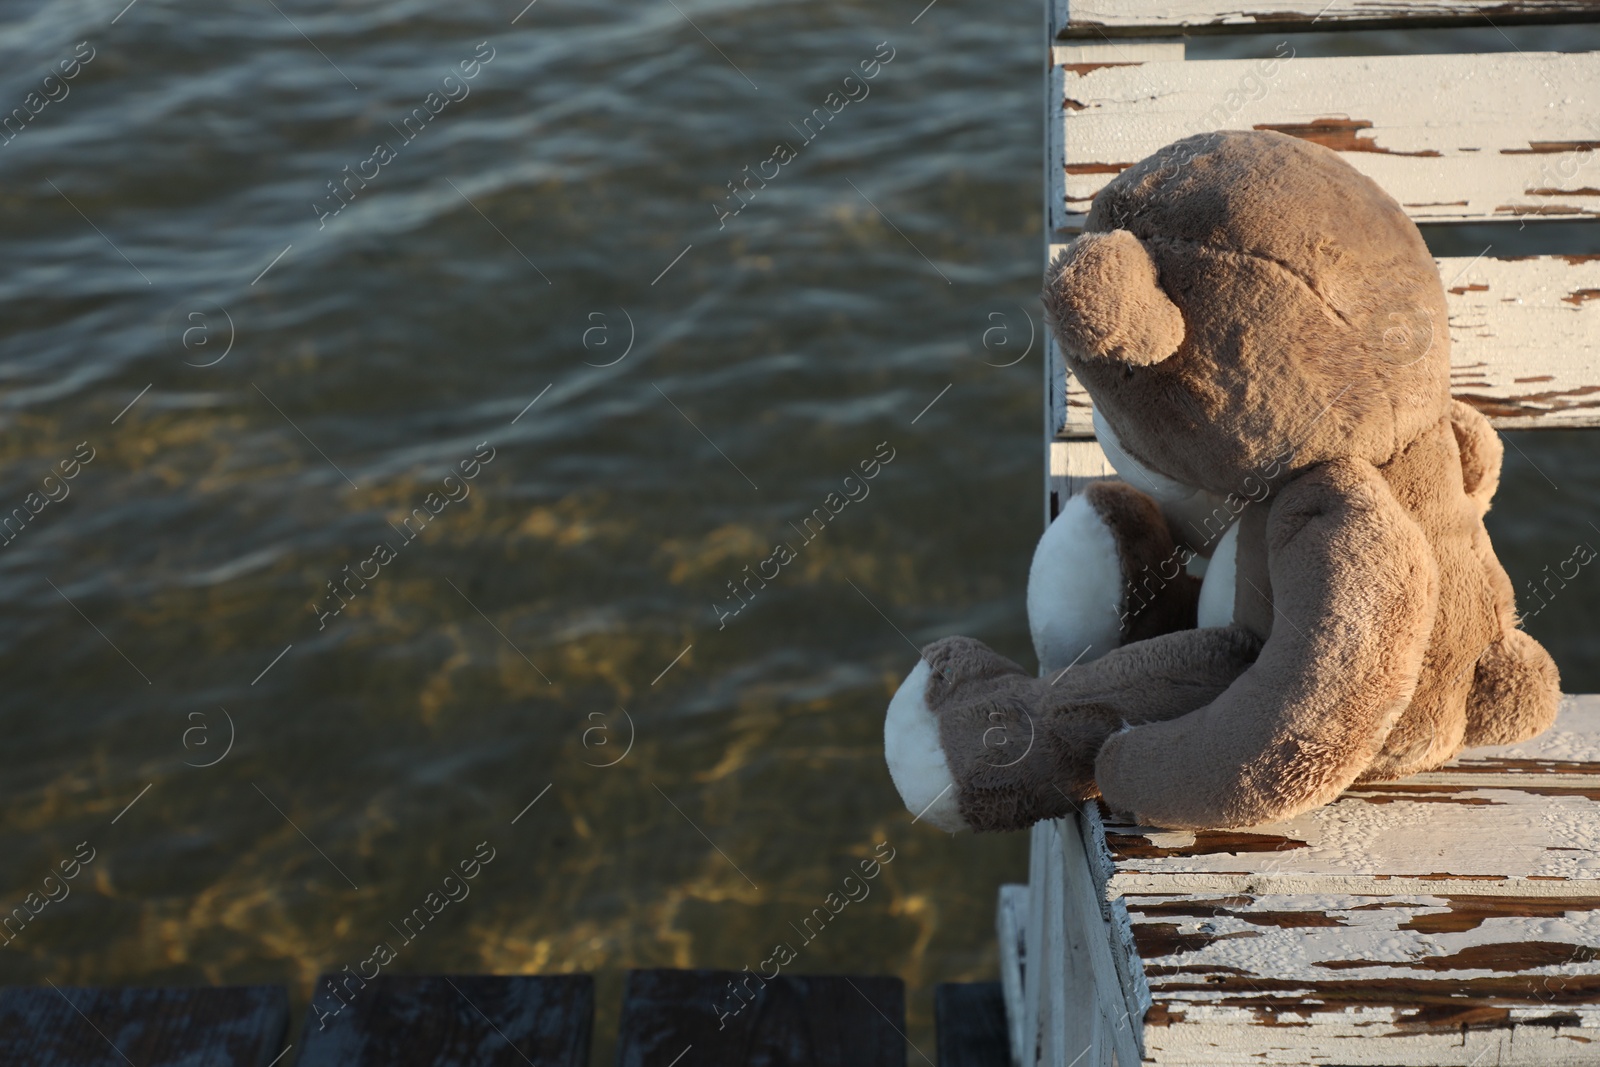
x: 1291, y: 590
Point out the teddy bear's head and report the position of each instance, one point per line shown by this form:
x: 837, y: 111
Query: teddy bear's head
x: 1246, y: 304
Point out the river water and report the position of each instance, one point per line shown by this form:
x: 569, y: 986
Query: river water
x: 279, y: 704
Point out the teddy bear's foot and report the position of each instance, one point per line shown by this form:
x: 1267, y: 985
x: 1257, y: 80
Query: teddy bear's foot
x: 1075, y: 588
x: 990, y: 698
x: 916, y: 759
x: 1105, y: 572
x: 953, y: 671
x: 975, y: 742
x: 1516, y: 692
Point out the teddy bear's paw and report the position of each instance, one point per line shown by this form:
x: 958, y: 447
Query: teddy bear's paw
x: 916, y: 759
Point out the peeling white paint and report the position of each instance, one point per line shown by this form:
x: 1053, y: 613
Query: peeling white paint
x: 1155, y: 17
x: 1226, y: 956
x: 1457, y: 137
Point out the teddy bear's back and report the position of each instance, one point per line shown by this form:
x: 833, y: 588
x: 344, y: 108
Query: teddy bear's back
x: 1429, y: 482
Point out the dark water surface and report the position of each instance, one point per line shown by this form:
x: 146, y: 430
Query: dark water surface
x: 550, y: 238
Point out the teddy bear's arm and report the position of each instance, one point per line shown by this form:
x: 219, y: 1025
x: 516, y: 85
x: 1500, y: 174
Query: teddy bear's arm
x: 1355, y: 589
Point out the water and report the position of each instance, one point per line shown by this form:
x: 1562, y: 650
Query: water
x: 267, y: 396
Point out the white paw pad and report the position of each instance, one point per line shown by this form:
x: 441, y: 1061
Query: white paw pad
x: 916, y: 759
x: 1075, y: 592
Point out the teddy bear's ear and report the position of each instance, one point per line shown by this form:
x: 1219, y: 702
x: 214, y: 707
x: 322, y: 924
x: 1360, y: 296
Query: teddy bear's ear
x: 1104, y: 300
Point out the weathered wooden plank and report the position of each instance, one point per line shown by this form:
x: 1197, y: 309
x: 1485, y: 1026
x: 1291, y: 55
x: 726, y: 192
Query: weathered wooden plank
x: 225, y: 1026
x: 1420, y: 938
x: 737, y: 1017
x: 1525, y: 338
x: 450, y: 1021
x: 1371, y: 841
x: 1415, y: 973
x: 1115, y: 18
x: 1043, y: 939
x: 1365, y: 1037
x: 1487, y: 137
x: 1443, y: 919
x: 1072, y: 466
x: 1452, y: 835
x: 1065, y: 995
x: 1524, y: 343
x: 1011, y: 924
x: 1071, y: 1023
x: 1112, y: 1034
x: 971, y: 1021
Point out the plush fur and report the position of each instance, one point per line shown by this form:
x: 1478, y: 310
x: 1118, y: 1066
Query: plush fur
x: 1263, y: 331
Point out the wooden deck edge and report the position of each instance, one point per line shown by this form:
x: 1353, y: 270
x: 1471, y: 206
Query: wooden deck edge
x: 1011, y: 913
x: 1119, y: 1022
x: 1084, y: 30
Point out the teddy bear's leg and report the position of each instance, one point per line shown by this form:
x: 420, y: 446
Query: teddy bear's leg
x: 1516, y: 689
x: 974, y: 741
x: 1106, y: 572
x: 1355, y: 591
x: 1516, y: 692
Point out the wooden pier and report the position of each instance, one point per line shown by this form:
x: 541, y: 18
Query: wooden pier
x: 1452, y: 918
x: 670, y: 1018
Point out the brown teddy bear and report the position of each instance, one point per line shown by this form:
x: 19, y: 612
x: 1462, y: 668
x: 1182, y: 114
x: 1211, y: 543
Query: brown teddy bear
x: 1263, y: 333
